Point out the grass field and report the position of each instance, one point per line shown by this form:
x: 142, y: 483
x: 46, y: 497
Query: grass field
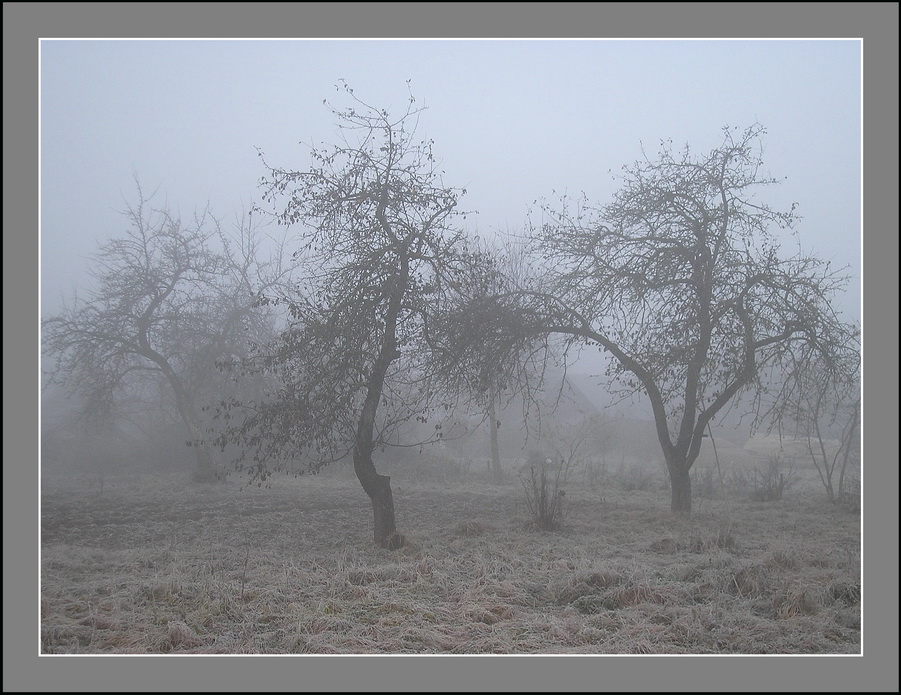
x: 153, y: 564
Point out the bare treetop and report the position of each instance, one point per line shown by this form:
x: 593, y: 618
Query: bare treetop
x: 682, y: 282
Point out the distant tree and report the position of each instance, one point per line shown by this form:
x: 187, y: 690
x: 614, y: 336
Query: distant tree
x: 680, y: 281
x: 375, y: 225
x: 497, y: 471
x: 169, y: 299
x: 820, y: 403
x: 487, y: 376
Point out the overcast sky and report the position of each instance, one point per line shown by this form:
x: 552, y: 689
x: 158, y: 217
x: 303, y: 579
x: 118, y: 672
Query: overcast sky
x: 512, y: 120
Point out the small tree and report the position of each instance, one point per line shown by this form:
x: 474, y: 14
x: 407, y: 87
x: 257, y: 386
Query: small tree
x: 475, y: 358
x: 375, y: 226
x: 542, y: 483
x: 166, y: 305
x: 820, y: 404
x: 680, y: 281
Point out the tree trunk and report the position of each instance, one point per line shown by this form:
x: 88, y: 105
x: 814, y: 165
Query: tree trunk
x: 206, y: 470
x: 680, y: 481
x: 378, y: 487
x: 496, y: 472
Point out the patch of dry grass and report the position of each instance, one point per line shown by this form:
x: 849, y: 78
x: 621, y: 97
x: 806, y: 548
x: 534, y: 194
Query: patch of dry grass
x: 155, y: 566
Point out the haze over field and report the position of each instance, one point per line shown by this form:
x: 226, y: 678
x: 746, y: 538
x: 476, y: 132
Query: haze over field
x: 513, y: 121
x: 642, y: 432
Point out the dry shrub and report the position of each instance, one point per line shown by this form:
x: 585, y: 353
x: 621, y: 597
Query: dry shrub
x: 544, y: 497
x: 771, y: 481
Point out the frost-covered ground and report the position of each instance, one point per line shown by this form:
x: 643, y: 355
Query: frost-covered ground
x: 155, y: 564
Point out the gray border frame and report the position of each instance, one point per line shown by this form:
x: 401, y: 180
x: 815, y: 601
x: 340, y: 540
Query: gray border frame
x: 25, y: 23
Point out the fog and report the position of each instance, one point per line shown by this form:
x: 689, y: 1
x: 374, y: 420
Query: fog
x: 513, y: 121
x: 540, y: 523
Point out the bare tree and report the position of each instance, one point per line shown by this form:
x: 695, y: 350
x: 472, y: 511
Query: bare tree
x: 375, y: 225
x: 166, y: 304
x: 479, y: 361
x: 820, y: 403
x: 680, y: 281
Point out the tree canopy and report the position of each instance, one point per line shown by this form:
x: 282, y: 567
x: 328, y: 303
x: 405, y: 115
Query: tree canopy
x: 682, y: 281
x: 375, y: 229
x: 169, y: 299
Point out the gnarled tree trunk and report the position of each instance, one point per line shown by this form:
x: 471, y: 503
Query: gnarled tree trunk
x: 378, y: 487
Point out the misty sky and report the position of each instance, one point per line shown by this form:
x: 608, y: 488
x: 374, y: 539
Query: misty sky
x: 512, y: 121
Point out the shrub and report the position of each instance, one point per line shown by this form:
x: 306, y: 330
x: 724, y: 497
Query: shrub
x: 541, y: 481
x: 772, y: 480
